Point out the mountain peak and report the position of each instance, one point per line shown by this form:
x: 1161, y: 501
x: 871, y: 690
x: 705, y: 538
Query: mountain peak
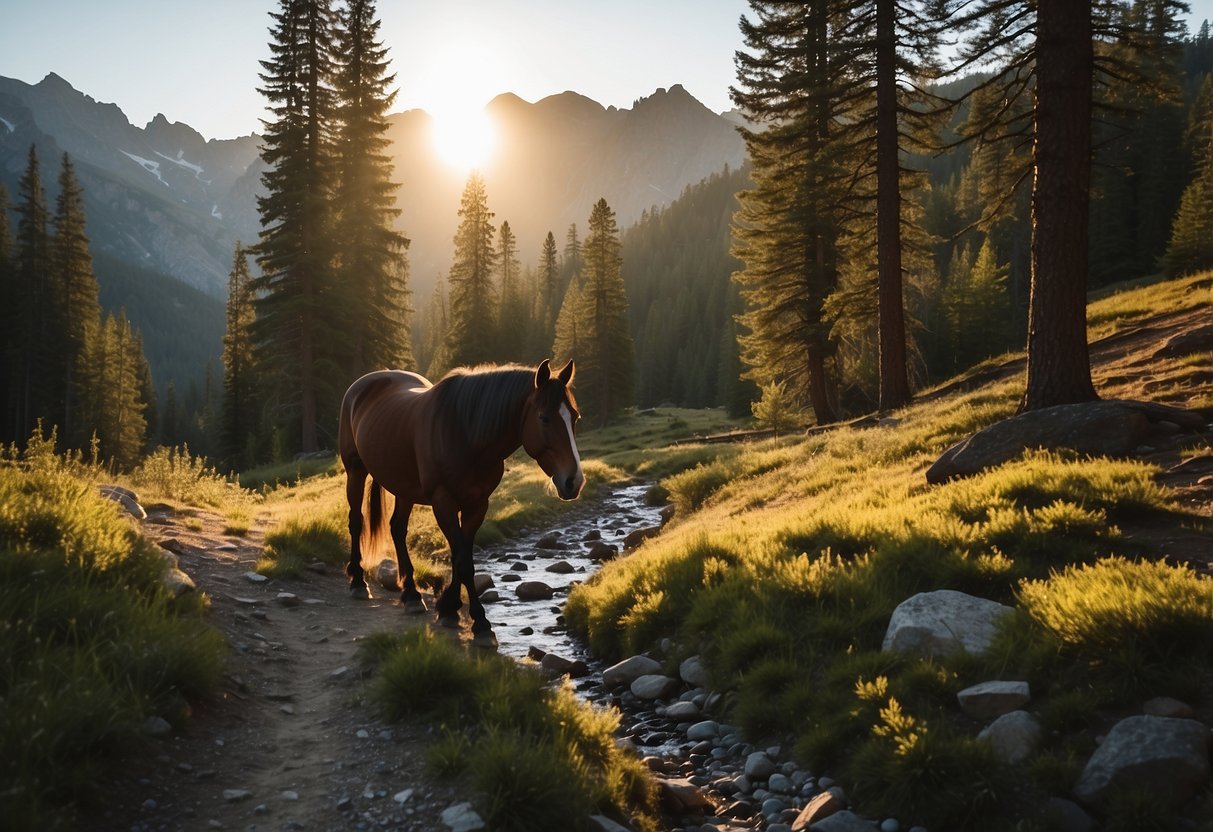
x: 54, y: 80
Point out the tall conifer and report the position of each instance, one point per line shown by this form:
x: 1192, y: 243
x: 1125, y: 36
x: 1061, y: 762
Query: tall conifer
x: 472, y: 307
x: 239, y: 418
x: 33, y: 394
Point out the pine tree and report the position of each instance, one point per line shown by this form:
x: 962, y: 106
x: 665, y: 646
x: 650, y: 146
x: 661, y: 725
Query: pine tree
x: 298, y: 335
x: 606, y: 360
x: 9, y: 323
x: 239, y: 418
x: 570, y: 264
x: 432, y: 359
x: 549, y: 288
x: 513, y: 317
x: 370, y: 254
x: 569, y: 341
x: 473, y: 299
x: 1190, y: 249
x: 33, y: 394
x: 117, y: 365
x: 79, y: 311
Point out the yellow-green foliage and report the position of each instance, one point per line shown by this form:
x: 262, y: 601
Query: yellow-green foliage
x: 539, y: 757
x: 90, y: 642
x: 177, y: 475
x: 786, y: 560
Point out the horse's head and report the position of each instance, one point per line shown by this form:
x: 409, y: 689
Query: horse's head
x: 548, y: 433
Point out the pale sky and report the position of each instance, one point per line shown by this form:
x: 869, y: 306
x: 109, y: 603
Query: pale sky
x: 197, y: 62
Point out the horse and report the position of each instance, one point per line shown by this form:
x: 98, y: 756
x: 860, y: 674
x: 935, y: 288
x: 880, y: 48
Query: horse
x: 444, y: 445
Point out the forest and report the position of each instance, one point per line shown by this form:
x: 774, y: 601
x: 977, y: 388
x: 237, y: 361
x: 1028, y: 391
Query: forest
x: 888, y: 231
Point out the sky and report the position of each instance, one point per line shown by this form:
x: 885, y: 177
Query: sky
x: 197, y: 62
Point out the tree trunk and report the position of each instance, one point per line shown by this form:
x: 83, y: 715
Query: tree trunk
x: 894, y: 385
x: 819, y: 396
x: 1059, y: 366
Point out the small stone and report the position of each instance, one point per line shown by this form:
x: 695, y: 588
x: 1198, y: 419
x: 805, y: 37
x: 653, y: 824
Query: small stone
x: 561, y: 567
x: 155, y: 726
x: 759, y: 766
x: 780, y: 784
x: 627, y: 671
x: 772, y: 806
x: 340, y: 672
x: 236, y: 795
x: 287, y: 599
x: 289, y: 795
x: 362, y: 734
x: 461, y: 817
x: 653, y: 686
x: 682, y: 711
x: 403, y: 796
x: 534, y: 591
x: 706, y: 730
x: 993, y: 699
x: 551, y: 540
x: 149, y: 805
x: 890, y: 825
x: 693, y: 672
x: 260, y: 809
x: 344, y: 803
x: 255, y: 578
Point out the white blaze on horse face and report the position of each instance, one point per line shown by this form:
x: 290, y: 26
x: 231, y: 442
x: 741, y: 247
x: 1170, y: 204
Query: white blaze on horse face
x: 579, y: 477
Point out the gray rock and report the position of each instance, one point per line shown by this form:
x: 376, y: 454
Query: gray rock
x: 156, y: 726
x: 551, y: 540
x: 993, y: 699
x: 682, y: 712
x: 1169, y: 757
x: 759, y: 766
x: 287, y: 599
x: 705, y: 730
x: 387, y: 573
x: 533, y: 591
x: 653, y: 686
x: 939, y: 623
x: 780, y: 783
x: 1101, y: 428
x: 773, y: 806
x: 600, y: 551
x: 890, y: 825
x: 255, y: 577
x: 482, y: 581
x: 635, y: 538
x: 575, y: 668
x: 843, y: 821
x: 125, y: 498
x: 693, y: 672
x: 561, y: 567
x: 680, y: 796
x: 1014, y: 736
x: 178, y: 583
x: 461, y: 817
x: 236, y: 795
x: 627, y: 671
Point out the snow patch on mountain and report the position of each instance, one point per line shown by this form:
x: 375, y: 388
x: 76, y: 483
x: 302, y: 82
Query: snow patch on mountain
x: 12, y: 128
x: 181, y: 162
x: 147, y: 164
x: 216, y: 213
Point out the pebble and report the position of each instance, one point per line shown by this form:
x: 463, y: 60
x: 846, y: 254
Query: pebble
x: 255, y: 578
x: 234, y: 795
x: 289, y: 795
x: 888, y: 825
x: 149, y: 804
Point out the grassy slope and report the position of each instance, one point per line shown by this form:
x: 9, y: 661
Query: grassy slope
x: 788, y: 557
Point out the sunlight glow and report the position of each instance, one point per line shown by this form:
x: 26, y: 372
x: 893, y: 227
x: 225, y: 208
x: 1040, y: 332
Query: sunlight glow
x: 464, y: 138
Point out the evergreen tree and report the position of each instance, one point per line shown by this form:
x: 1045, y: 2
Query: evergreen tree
x: 117, y: 365
x: 239, y: 420
x: 369, y: 253
x: 432, y: 359
x: 78, y: 309
x: 549, y: 288
x: 33, y: 394
x: 1190, y: 249
x: 297, y: 332
x: 570, y: 264
x: 787, y: 231
x: 570, y: 327
x: 472, y: 322
x: 513, y: 317
x: 170, y: 432
x: 9, y: 323
x: 606, y: 362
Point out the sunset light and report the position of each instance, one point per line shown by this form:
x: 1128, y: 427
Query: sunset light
x: 463, y: 137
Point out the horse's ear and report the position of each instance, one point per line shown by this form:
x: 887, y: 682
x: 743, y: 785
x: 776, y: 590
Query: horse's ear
x: 543, y: 373
x: 566, y: 374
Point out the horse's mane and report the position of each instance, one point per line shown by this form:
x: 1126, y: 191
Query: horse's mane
x: 484, y: 400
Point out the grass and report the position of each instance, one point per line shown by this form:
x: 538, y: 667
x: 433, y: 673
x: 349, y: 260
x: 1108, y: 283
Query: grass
x: 537, y: 756
x: 91, y: 644
x: 787, y: 558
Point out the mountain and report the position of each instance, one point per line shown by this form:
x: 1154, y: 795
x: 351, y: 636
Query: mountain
x: 165, y: 199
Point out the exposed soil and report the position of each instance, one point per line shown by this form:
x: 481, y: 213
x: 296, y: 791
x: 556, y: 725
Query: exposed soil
x: 290, y: 725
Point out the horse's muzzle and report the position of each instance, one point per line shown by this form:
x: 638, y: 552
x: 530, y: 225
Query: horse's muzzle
x: 569, y: 488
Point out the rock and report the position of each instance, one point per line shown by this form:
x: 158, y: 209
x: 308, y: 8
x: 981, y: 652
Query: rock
x: 600, y: 551
x: 693, y: 672
x: 1101, y: 428
x: 125, y: 498
x: 818, y: 808
x: 490, y: 596
x: 533, y: 591
x: 592, y: 534
x: 681, y: 797
x: 706, y: 730
x: 482, y: 581
x: 759, y: 766
x: 157, y: 726
x: 1014, y: 736
x: 842, y: 821
x: 940, y: 622
x: 178, y: 583
x: 780, y: 783
x: 387, y: 573
x: 635, y: 538
x: 682, y: 712
x: 461, y: 817
x: 287, y: 599
x: 172, y: 544
x: 653, y: 686
x: 1168, y: 707
x: 290, y: 795
x: 255, y: 577
x: 558, y: 664
x: 403, y: 796
x: 601, y: 823
x: 993, y: 699
x: 551, y: 540
x: 627, y: 671
x: 1168, y: 757
x: 1060, y: 813
x: 561, y: 567
x: 890, y: 825
x: 236, y: 795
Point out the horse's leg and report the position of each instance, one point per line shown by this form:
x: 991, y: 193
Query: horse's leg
x: 446, y: 512
x: 482, y: 630
x: 410, y: 597
x: 355, y: 487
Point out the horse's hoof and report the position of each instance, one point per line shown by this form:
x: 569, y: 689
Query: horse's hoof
x: 449, y: 621
x: 360, y: 592
x: 414, y: 606
x: 485, y: 640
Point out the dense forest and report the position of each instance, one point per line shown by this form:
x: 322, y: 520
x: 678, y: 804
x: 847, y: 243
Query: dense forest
x: 897, y: 222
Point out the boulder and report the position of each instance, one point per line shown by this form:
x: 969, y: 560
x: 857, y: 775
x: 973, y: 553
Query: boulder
x: 653, y: 686
x: 177, y: 582
x: 1060, y: 813
x: 461, y: 817
x: 125, y: 498
x: 575, y: 668
x: 682, y: 712
x: 387, y: 573
x: 1014, y: 736
x: 482, y: 581
x: 706, y: 730
x: 941, y: 622
x: 1101, y: 428
x: 693, y: 673
x: 627, y: 671
x: 638, y: 536
x: 993, y: 699
x: 819, y: 807
x: 600, y: 551
x: 843, y: 821
x: 551, y: 540
x: 682, y: 797
x: 1169, y: 757
x: 759, y: 766
x: 533, y: 591
x: 561, y: 567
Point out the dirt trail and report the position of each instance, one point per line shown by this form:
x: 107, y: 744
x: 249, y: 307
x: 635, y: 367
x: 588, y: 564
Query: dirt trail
x: 288, y: 725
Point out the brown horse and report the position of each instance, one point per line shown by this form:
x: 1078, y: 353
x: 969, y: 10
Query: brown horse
x: 445, y: 445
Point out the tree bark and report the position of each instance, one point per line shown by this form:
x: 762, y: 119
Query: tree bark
x: 1059, y: 366
x: 894, y: 384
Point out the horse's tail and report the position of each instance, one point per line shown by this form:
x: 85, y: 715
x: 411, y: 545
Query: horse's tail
x: 377, y: 518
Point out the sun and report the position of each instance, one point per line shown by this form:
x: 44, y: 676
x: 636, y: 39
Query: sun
x: 464, y: 137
